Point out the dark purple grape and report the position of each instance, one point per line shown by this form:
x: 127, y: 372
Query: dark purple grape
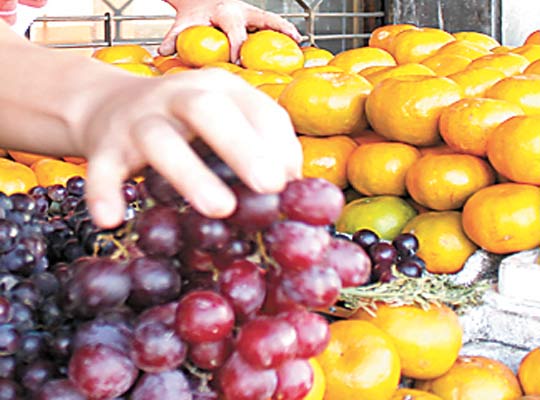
x: 406, y: 244
x: 75, y: 186
x: 312, y: 287
x: 34, y: 375
x: 160, y: 232
x: 254, y: 211
x: 409, y: 268
x: 69, y: 204
x: 222, y: 170
x: 113, y: 335
x: 130, y: 193
x: 9, y: 232
x: 32, y: 346
x: 61, y: 389
x: 5, y: 202
x: 37, y: 191
x: 365, y: 238
x: 26, y: 293
x: 314, y: 201
x: 417, y: 260
x: 7, y: 367
x: 22, y: 316
x: 60, y: 345
x: 101, y: 372
x: 204, y: 233
x: 10, y: 340
x: 382, y: 251
x: 161, y: 190
x: 42, y: 205
x: 210, y: 355
x: 170, y: 385
x: 23, y: 203
x: 153, y: 281
x: 50, y: 314
x: 57, y: 193
x: 46, y: 283
x: 35, y: 245
x: 19, y: 260
x: 5, y: 310
x: 349, y: 260
x: 10, y: 390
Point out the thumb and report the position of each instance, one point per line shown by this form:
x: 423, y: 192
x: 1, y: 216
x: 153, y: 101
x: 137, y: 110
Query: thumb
x: 168, y: 45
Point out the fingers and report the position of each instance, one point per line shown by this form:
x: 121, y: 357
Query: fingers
x: 106, y: 173
x: 260, y: 19
x: 235, y: 29
x: 168, y: 45
x: 166, y: 151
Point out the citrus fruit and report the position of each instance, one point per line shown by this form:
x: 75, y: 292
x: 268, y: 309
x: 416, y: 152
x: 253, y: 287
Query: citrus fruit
x: 463, y: 48
x: 523, y: 90
x: 315, y: 57
x: 55, y: 172
x: 508, y: 63
x: 331, y: 103
x: 533, y: 38
x: 25, y: 157
x: 356, y: 60
x: 466, y: 125
x: 475, y: 378
x: 170, y: 63
x: 227, y: 66
x: 428, y: 341
x: 385, y: 215
x: 176, y: 70
x: 201, y: 45
x: 299, y: 73
x: 480, y: 39
x: 436, y: 150
x: 380, y: 168
x: 501, y: 49
x: 383, y: 36
x: 326, y: 157
x: 129, y: 53
x: 513, y: 149
x: 408, y: 108
x: 370, y: 70
x: 444, y: 246
x: 530, y: 51
x: 445, y: 181
x: 397, y: 71
x: 15, y: 177
x: 139, y: 69
x: 529, y: 372
x: 360, y: 362
x: 504, y: 218
x: 271, y: 51
x: 319, y: 382
x: 415, y: 45
x: 273, y: 90
x: 413, y: 394
x: 533, y: 68
x: 368, y: 136
x: 75, y: 160
x: 257, y: 78
x: 446, y: 64
x: 475, y: 82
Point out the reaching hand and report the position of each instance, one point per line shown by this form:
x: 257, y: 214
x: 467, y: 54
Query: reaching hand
x: 234, y: 17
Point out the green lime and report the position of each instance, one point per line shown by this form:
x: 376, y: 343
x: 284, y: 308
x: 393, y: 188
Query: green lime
x: 385, y: 215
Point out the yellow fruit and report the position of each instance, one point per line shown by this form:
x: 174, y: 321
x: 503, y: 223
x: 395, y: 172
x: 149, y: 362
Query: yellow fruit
x: 522, y: 90
x: 397, y: 71
x: 201, y: 45
x: 529, y: 372
x: 15, y: 177
x: 480, y: 39
x: 129, y: 53
x: 319, y: 382
x: 464, y: 48
x: 415, y: 45
x: 446, y: 64
x: 475, y: 82
x: 383, y: 36
x: 139, y: 69
x: 413, y: 394
x: 530, y: 51
x: 257, y: 78
x: 356, y: 60
x: 508, y: 63
x: 315, y: 57
x: 273, y: 90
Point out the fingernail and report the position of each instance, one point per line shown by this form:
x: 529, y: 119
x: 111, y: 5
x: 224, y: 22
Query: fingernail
x: 217, y: 202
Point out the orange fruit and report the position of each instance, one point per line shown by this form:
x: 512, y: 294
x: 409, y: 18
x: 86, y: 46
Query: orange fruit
x: 159, y: 59
x: 427, y: 341
x: 446, y: 64
x: 529, y: 372
x: 475, y: 82
x: 327, y: 158
x: 380, y: 168
x: 413, y: 394
x: 480, y: 39
x: 128, y: 53
x: 408, y: 108
x: 3, y: 152
x: 139, y: 69
x: 273, y: 90
x: 523, y: 90
x: 384, y: 215
x: 201, y: 45
x: 464, y: 48
x: 227, y: 66
x: 370, y: 70
x: 514, y: 151
x: 368, y: 136
x: 15, y: 177
x: 475, y: 378
x: 397, y: 71
x: 360, y: 362
x: 170, y: 63
x: 502, y: 49
x: 257, y: 78
x: 530, y: 51
x: 415, y: 45
x: 444, y: 182
x: 508, y: 63
x: 436, y: 150
x: 466, y: 125
x: 504, y: 218
x: 533, y: 38
x: 26, y: 158
x: 315, y: 70
x: 319, y: 382
x: 326, y: 104
x: 74, y: 160
x: 356, y: 60
x: 176, y: 70
x: 315, y: 57
x: 383, y: 36
x: 55, y: 172
x: 533, y: 68
x: 271, y: 51
x: 444, y: 246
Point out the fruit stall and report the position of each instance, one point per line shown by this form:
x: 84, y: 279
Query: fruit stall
x: 404, y: 266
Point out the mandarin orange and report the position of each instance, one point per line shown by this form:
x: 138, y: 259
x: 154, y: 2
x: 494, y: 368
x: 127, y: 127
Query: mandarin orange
x: 201, y: 45
x: 383, y: 36
x: 15, y: 177
x: 522, y: 90
x: 128, y: 53
x: 508, y: 63
x: 475, y: 82
x: 397, y: 71
x: 529, y: 372
x: 415, y: 45
x: 356, y: 60
x: 478, y: 38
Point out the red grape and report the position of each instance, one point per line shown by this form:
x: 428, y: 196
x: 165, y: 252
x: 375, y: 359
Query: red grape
x: 313, y: 287
x: 406, y: 244
x: 10, y: 390
x: 170, y: 385
x: 204, y: 233
x: 197, y: 259
x: 254, y: 211
x: 160, y: 231
x: 350, y: 262
x: 382, y: 252
x: 161, y: 190
x: 210, y: 355
x: 165, y: 314
x: 61, y: 389
x: 295, y: 380
x: 365, y: 238
x: 312, y: 331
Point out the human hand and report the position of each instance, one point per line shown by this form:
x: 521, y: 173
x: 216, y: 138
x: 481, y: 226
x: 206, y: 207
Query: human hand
x: 150, y: 122
x: 234, y: 17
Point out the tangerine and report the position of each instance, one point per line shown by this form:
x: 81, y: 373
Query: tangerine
x: 446, y: 64
x: 533, y: 68
x: 55, y: 172
x: 383, y: 36
x: 397, y: 71
x: 315, y: 57
x: 414, y: 394
x: 15, y: 177
x: 464, y: 48
x: 227, y: 66
x: 478, y: 38
x: 139, y: 69
x: 530, y: 51
x: 475, y: 82
x: 273, y: 90
x: 533, y: 38
x: 415, y: 45
x: 127, y: 53
x: 356, y: 60
x: 26, y: 158
x: 523, y: 90
x: 529, y: 372
x: 201, y: 45
x: 314, y: 71
x: 508, y: 63
x: 257, y: 78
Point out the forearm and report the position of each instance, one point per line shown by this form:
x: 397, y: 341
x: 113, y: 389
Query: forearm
x: 45, y: 95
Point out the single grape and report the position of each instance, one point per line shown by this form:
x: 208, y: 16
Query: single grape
x: 22, y: 316
x: 266, y: 342
x: 155, y: 347
x: 210, y: 355
x: 365, y: 238
x: 19, y: 260
x: 160, y: 189
x: 101, y: 372
x: 130, y: 193
x: 75, y: 186
x: 295, y: 245
x: 46, y: 283
x: 23, y: 203
x: 314, y: 287
x: 204, y: 233
x: 7, y: 367
x: 243, y: 285
x: 276, y: 300
x: 27, y: 293
x: 35, y: 245
x: 349, y: 260
x: 10, y: 340
x: 9, y: 232
x: 170, y: 385
x: 415, y: 258
x: 196, y: 259
x: 32, y: 346
x: 312, y: 331
x: 61, y: 389
x: 10, y: 390
x: 113, y: 335
x: 34, y: 375
x: 69, y: 204
x: 204, y: 316
x: 254, y: 211
x: 165, y: 314
x: 60, y: 345
x: 160, y: 231
x: 406, y: 244
x: 409, y: 268
x: 222, y: 170
x: 380, y: 252
x: 384, y: 267
x: 234, y: 250
x: 238, y: 380
x: 153, y: 281
x: 314, y: 201
x: 5, y: 310
x: 37, y: 191
x: 42, y: 205
x: 295, y: 380
x: 57, y: 193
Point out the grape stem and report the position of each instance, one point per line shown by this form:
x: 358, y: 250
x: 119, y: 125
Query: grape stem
x: 205, y: 377
x: 265, y: 259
